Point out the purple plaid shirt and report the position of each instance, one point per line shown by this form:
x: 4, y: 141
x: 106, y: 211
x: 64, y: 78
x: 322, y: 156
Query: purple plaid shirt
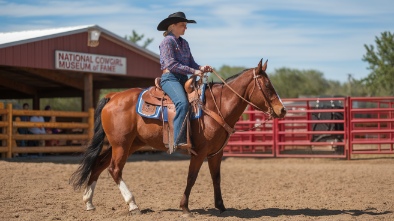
x: 175, y: 56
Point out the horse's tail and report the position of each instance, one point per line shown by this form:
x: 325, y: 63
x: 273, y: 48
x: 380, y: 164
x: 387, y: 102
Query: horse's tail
x: 82, y: 174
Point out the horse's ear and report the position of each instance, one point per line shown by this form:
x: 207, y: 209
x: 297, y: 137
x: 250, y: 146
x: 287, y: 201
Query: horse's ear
x: 259, y: 66
x: 264, y: 68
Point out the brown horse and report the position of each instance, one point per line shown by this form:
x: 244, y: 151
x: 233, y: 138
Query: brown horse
x: 127, y: 132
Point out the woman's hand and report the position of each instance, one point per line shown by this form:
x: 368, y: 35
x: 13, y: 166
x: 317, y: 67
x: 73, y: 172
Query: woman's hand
x: 198, y: 72
x: 206, y: 68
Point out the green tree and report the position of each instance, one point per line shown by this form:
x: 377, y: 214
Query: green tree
x: 292, y: 83
x: 352, y: 87
x: 135, y: 38
x: 225, y: 72
x: 104, y: 92
x: 380, y: 81
x: 64, y: 104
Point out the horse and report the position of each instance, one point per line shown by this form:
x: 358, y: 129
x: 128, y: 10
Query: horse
x: 126, y: 131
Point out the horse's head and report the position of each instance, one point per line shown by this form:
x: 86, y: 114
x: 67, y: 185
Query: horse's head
x: 263, y: 93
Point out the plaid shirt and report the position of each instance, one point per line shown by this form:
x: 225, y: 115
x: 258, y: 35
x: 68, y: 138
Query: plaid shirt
x: 175, y: 56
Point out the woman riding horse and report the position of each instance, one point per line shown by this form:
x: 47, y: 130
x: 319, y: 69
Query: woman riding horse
x: 117, y: 119
x: 176, y: 63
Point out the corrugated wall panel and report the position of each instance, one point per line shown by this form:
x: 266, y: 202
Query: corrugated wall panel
x: 23, y: 55
x: 7, y: 53
x: 2, y: 57
x: 30, y: 50
x: 38, y: 47
x: 45, y: 54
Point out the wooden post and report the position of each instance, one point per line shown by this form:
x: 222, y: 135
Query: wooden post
x: 36, y: 102
x: 96, y: 97
x: 2, y: 131
x: 9, y: 131
x: 88, y: 91
x: 91, y: 123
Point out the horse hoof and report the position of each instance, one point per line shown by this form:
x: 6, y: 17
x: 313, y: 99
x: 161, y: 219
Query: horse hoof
x: 187, y: 215
x: 135, y: 212
x: 90, y: 207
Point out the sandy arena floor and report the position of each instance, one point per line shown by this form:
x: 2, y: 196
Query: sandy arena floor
x: 253, y: 189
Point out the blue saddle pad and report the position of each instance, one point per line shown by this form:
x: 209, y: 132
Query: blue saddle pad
x: 156, y: 113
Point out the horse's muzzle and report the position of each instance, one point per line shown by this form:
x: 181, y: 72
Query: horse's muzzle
x: 283, y: 112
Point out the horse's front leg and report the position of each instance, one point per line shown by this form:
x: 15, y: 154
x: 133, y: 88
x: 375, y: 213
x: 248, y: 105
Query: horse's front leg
x: 214, y: 167
x: 194, y: 168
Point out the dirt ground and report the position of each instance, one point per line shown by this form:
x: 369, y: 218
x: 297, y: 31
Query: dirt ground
x: 36, y: 188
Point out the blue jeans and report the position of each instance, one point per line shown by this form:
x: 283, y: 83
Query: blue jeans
x: 173, y: 85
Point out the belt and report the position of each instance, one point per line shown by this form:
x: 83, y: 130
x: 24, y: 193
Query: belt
x: 166, y: 71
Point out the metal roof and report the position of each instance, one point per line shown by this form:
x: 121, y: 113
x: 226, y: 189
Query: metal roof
x: 34, y: 35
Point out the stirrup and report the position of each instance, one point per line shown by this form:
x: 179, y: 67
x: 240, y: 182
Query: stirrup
x: 188, y: 147
x: 192, y: 152
x: 183, y: 146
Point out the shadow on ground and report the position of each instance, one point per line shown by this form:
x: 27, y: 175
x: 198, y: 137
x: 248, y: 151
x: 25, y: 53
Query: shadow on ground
x: 276, y: 212
x: 75, y: 158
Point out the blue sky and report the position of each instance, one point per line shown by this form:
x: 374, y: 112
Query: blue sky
x: 327, y: 36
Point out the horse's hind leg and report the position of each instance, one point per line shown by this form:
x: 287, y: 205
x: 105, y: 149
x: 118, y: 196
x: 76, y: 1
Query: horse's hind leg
x: 119, y: 158
x: 100, y: 165
x: 214, y: 167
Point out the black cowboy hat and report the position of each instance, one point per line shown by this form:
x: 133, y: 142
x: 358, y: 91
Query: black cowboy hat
x: 172, y: 19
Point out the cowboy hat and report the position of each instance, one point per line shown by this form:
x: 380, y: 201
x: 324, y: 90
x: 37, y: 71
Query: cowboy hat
x: 172, y: 19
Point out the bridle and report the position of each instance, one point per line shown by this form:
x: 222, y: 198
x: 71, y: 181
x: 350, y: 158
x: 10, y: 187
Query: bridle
x: 270, y: 111
x: 221, y: 120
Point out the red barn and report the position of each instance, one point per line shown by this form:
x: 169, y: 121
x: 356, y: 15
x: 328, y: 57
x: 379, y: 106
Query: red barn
x: 71, y: 62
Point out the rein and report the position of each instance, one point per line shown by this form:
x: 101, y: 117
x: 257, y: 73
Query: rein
x: 256, y: 126
x: 221, y: 120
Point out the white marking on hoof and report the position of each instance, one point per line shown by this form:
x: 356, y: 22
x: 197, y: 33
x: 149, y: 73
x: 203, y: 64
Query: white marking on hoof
x: 128, y: 196
x: 88, y: 196
x: 133, y: 206
x: 89, y: 206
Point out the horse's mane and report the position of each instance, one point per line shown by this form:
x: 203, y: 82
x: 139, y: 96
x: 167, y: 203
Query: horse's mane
x: 230, y: 78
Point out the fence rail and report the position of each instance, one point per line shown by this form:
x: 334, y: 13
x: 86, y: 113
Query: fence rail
x: 76, y: 129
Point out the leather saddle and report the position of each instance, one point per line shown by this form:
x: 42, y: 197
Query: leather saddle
x: 154, y: 99
x: 156, y: 96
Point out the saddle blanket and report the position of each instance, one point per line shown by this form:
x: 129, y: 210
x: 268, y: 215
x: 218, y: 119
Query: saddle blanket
x: 156, y: 113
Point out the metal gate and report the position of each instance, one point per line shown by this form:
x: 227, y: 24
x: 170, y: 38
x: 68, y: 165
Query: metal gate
x: 318, y: 127
x: 371, y: 125
x: 311, y: 128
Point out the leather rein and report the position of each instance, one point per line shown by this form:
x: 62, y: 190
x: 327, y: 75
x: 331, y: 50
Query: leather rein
x: 219, y: 117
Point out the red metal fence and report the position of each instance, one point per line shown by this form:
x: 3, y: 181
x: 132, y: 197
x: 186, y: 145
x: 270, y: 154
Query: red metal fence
x: 318, y: 127
x: 371, y: 125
